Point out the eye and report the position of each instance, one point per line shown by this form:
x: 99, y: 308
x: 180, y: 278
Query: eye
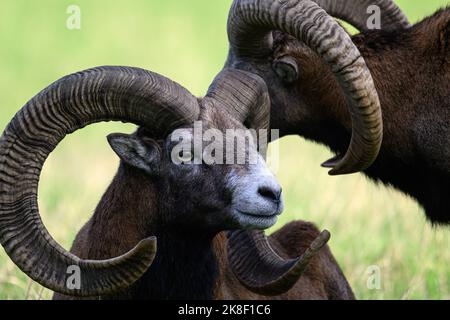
x: 286, y: 69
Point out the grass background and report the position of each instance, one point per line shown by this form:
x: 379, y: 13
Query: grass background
x: 186, y: 41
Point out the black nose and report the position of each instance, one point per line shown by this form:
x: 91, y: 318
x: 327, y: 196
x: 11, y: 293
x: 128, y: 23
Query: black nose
x: 270, y: 193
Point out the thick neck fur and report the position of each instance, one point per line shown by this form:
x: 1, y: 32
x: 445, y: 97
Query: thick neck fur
x: 185, y: 268
x: 185, y: 265
x: 411, y: 70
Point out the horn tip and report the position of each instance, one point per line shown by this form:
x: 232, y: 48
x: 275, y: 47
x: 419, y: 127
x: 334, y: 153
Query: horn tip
x: 325, y: 235
x: 337, y: 167
x: 148, y: 243
x: 331, y: 163
x: 147, y: 248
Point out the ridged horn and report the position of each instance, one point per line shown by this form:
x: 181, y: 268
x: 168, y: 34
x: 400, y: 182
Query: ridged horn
x: 244, y: 95
x: 249, y: 29
x: 260, y: 269
x: 355, y: 12
x: 100, y: 94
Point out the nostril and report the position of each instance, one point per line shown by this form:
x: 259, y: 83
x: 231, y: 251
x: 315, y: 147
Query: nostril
x: 270, y: 193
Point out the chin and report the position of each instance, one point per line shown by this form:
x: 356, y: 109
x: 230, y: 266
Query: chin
x: 253, y: 221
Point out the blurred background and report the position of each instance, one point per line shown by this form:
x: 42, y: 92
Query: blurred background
x: 376, y: 230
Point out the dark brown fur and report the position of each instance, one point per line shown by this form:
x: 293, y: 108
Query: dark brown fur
x: 191, y: 264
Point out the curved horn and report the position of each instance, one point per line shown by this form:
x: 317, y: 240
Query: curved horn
x: 260, y: 269
x: 100, y: 94
x: 249, y: 29
x: 355, y: 12
x: 244, y: 95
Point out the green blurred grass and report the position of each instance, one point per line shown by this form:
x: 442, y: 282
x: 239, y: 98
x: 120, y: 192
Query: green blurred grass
x: 186, y: 41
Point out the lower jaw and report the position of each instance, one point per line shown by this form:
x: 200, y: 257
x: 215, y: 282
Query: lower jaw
x: 257, y: 222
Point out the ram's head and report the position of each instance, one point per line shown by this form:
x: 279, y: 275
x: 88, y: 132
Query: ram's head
x: 309, y: 62
x: 193, y: 195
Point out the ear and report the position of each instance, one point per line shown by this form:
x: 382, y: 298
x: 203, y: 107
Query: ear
x: 144, y: 155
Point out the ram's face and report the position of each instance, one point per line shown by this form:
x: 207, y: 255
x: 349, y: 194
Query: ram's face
x: 214, y: 177
x: 302, y: 88
x: 210, y: 174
